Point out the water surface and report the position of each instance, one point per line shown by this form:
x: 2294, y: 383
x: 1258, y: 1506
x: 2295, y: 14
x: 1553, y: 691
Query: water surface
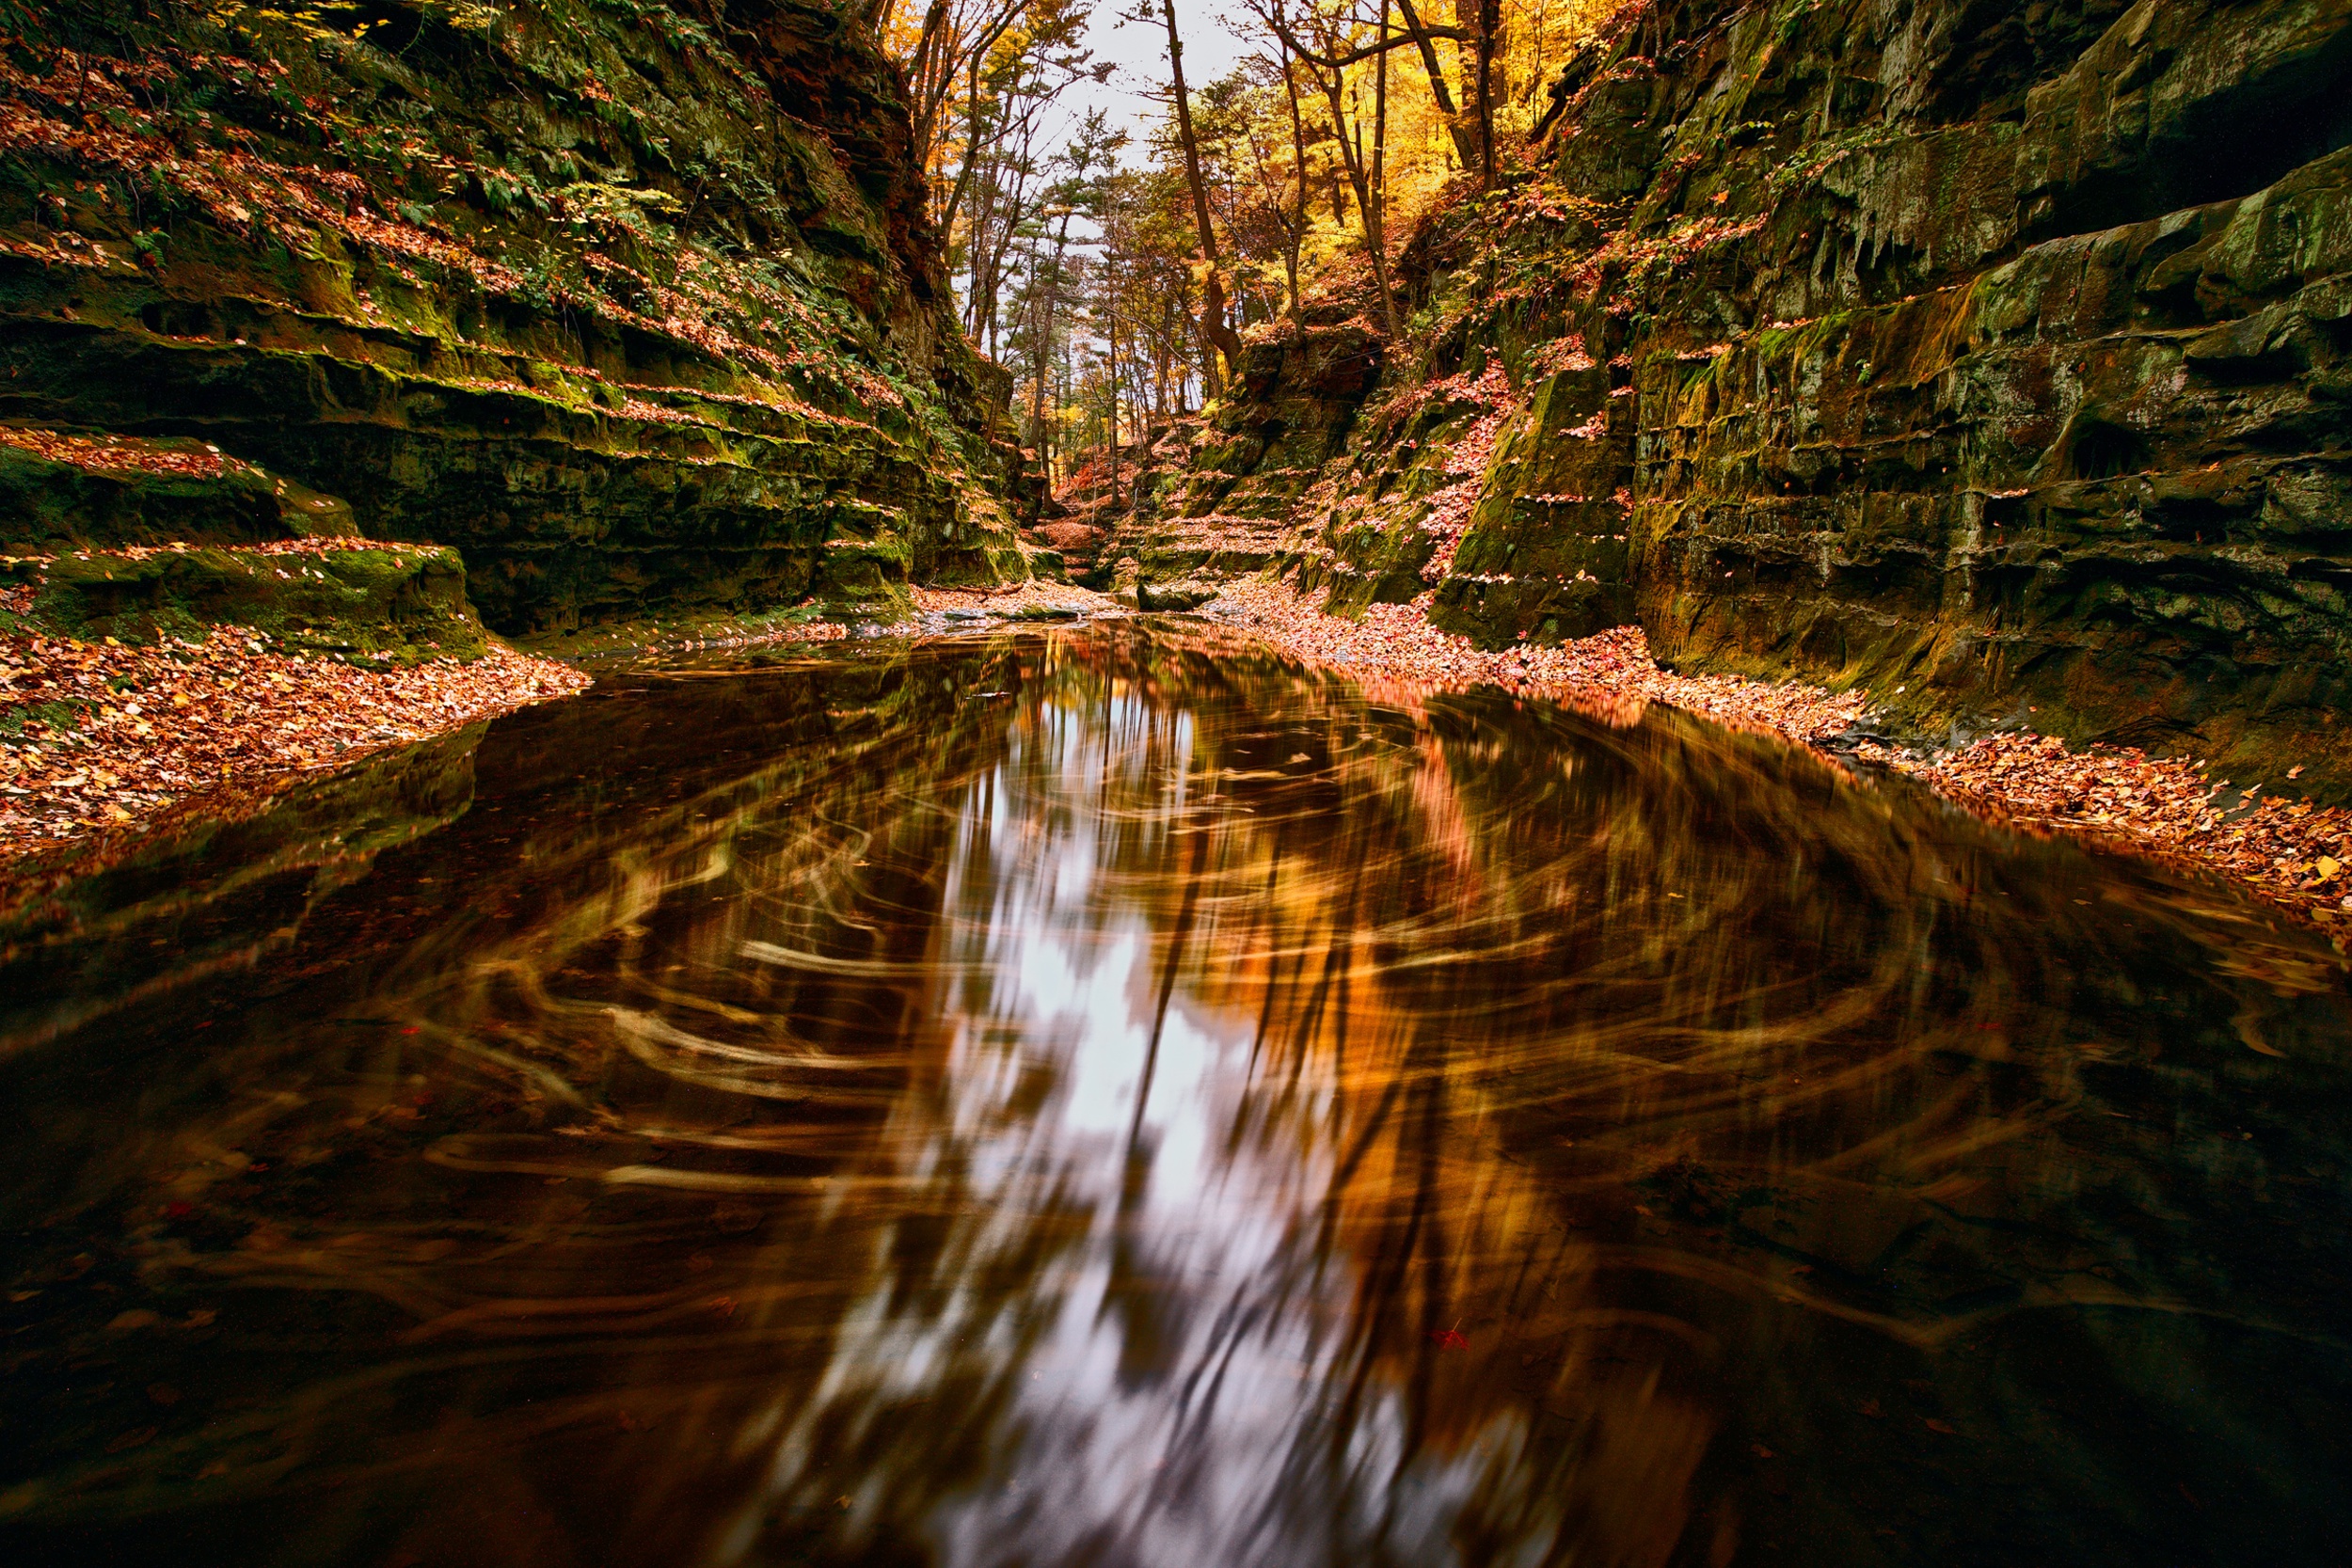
x: 1107, y: 1096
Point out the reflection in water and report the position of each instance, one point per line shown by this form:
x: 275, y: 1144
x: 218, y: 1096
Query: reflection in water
x: 1109, y: 1099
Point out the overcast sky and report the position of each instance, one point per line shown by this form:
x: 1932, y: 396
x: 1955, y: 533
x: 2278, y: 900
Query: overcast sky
x: 1140, y: 53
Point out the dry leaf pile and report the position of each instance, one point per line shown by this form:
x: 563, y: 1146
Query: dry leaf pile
x: 324, y: 544
x: 1611, y: 675
x: 2291, y: 851
x: 1446, y: 515
x: 932, y: 605
x: 123, y: 453
x: 151, y: 724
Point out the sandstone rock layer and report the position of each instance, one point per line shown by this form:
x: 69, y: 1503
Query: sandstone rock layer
x: 1991, y: 356
x: 634, y: 304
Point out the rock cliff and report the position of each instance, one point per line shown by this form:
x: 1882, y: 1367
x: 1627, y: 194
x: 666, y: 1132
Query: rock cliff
x: 633, y: 304
x: 1991, y: 354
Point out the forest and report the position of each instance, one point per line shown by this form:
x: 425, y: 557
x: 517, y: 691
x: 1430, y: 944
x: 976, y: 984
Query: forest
x: 1302, y: 172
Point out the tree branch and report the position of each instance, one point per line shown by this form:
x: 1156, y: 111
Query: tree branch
x: 1414, y: 36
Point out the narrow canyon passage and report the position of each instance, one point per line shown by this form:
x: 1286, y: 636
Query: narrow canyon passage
x: 1287, y: 784
x: 1115, y: 1096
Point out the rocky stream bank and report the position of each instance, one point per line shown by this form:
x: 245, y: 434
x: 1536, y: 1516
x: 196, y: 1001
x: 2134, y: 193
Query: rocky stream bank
x: 1982, y: 368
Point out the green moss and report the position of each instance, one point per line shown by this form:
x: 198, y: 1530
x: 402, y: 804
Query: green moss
x: 619, y: 639
x: 47, y: 504
x: 554, y: 283
x: 387, y: 606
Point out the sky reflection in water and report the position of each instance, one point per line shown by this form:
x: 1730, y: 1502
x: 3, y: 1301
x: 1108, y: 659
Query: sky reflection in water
x: 1105, y: 1098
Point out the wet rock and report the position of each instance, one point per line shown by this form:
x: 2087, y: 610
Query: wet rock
x: 400, y: 603
x: 444, y: 303
x: 1126, y: 583
x: 1182, y: 593
x: 81, y: 492
x: 1996, y: 363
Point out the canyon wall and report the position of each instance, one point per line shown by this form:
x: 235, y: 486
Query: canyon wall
x: 634, y: 303
x: 1991, y: 354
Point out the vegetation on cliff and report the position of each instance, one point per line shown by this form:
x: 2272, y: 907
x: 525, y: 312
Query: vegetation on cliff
x: 1988, y: 366
x: 336, y: 338
x: 1992, y: 364
x: 633, y: 304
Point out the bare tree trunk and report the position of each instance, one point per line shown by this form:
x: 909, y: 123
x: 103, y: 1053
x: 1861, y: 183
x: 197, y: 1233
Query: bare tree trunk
x: 924, y: 69
x: 1465, y: 147
x: 1159, y: 356
x: 976, y: 244
x: 971, y: 157
x: 1046, y: 331
x: 1295, y: 234
x: 1477, y: 18
x: 1111, y: 325
x: 1376, y: 216
x: 1350, y: 141
x: 1216, y: 335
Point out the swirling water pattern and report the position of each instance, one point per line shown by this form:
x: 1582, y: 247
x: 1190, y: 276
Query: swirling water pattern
x: 1110, y: 1097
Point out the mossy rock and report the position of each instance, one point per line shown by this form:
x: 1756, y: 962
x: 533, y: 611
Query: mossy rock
x: 1539, y: 610
x: 675, y: 629
x: 131, y: 497
x: 1182, y: 593
x: 465, y: 340
x: 408, y: 602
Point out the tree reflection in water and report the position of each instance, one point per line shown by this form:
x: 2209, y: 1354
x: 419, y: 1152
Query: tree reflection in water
x: 1115, y: 1098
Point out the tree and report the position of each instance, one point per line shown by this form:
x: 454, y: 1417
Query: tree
x: 1214, y: 329
x: 1334, y: 38
x: 1340, y: 49
x: 955, y: 35
x: 1083, y: 168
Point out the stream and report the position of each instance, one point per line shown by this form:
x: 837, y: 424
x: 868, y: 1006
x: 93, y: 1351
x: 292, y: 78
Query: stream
x: 1113, y: 1095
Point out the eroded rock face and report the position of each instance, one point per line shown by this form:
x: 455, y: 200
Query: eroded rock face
x: 638, y: 307
x: 1216, y: 497
x: 1995, y: 355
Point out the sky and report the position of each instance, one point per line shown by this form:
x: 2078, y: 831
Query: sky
x: 1139, y: 51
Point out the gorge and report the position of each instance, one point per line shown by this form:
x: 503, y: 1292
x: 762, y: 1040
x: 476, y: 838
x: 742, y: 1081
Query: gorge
x: 1553, y: 784
x: 1993, y: 362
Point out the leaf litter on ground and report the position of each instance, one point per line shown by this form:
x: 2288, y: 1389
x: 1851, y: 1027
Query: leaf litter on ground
x: 96, y: 735
x: 2295, y: 853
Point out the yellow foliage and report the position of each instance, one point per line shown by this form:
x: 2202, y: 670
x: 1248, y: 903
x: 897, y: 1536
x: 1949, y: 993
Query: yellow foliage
x: 1536, y: 40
